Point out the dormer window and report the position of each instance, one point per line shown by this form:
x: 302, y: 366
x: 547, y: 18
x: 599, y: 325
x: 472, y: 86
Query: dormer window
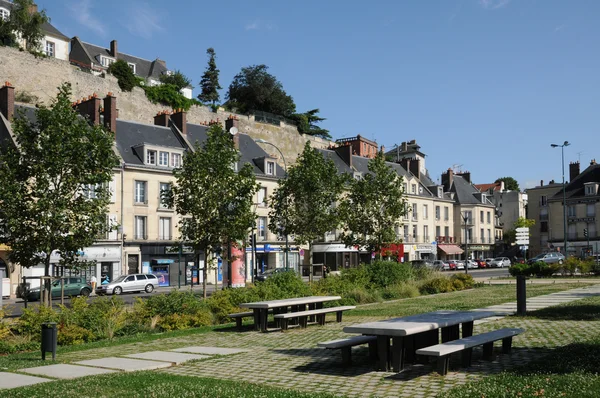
x: 106, y: 61
x: 4, y: 14
x: 413, y: 189
x: 591, y: 188
x: 131, y: 66
x: 163, y: 159
x: 440, y: 192
x: 270, y: 169
x: 483, y: 198
x: 175, y: 160
x: 151, y: 157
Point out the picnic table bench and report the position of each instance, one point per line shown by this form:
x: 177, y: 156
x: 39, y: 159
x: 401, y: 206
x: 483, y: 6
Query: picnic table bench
x: 303, y: 316
x: 345, y: 345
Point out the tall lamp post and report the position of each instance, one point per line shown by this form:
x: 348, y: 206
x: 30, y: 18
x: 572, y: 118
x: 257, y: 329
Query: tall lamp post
x: 562, y: 151
x: 287, y: 247
x: 466, y: 220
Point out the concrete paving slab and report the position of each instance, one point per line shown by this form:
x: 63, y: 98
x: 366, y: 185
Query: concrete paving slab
x: 14, y: 380
x: 125, y: 364
x: 66, y: 371
x: 165, y: 356
x: 210, y: 350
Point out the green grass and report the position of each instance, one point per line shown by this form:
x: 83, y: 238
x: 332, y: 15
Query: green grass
x: 152, y: 384
x: 569, y: 371
x: 463, y: 300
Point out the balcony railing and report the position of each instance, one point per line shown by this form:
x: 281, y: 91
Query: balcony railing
x: 445, y: 239
x: 543, y: 217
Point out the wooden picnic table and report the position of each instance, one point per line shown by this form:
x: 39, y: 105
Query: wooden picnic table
x: 410, y: 333
x: 261, y: 308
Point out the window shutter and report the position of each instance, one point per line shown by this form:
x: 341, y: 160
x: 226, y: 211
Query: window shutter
x: 112, y: 225
x: 112, y: 187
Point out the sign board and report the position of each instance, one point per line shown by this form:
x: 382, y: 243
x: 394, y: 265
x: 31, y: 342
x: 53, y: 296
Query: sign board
x: 522, y: 242
x: 524, y: 247
x: 522, y: 229
x: 302, y: 252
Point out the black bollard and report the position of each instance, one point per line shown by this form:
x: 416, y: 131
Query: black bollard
x: 521, y: 296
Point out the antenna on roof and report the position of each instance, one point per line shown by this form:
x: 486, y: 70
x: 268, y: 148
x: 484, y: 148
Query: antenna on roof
x: 457, y: 168
x: 579, y: 156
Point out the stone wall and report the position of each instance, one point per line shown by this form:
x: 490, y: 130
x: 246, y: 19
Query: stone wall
x: 40, y: 77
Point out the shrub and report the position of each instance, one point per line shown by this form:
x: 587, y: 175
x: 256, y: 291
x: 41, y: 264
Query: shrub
x: 519, y: 270
x: 30, y: 322
x: 287, y: 285
x: 125, y: 76
x: 586, y: 266
x: 175, y: 302
x: 542, y: 269
x: 167, y: 94
x: 360, y: 295
x: 388, y: 273
x: 571, y: 265
x: 333, y: 285
x: 399, y: 291
x: 4, y: 329
x: 595, y: 268
x: 437, y: 285
x: 73, y: 335
x: 358, y: 276
x: 467, y: 280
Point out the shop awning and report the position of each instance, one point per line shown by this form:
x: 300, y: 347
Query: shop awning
x: 451, y: 249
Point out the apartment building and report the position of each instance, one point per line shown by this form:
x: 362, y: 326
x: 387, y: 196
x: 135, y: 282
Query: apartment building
x: 538, y: 209
x: 510, y: 204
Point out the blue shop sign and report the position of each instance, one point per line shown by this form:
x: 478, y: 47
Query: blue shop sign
x: 163, y: 261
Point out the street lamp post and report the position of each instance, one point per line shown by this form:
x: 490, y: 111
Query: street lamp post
x: 562, y: 151
x: 466, y: 218
x: 287, y: 247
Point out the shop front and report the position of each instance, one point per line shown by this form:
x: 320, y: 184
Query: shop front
x: 104, y: 261
x: 449, y: 252
x: 480, y: 251
x: 270, y: 256
x: 336, y: 257
x: 172, y: 267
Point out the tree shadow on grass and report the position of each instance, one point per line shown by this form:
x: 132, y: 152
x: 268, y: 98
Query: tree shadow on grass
x: 575, y: 312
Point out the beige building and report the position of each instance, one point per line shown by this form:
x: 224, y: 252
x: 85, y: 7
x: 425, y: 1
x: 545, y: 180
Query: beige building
x: 539, y: 210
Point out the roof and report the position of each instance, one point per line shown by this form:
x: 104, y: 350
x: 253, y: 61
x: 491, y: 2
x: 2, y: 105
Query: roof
x: 496, y: 186
x: 46, y: 27
x: 576, y: 188
x: 465, y: 192
x: 131, y: 134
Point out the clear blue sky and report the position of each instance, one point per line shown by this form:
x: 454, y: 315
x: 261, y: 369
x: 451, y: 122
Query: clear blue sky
x: 486, y: 84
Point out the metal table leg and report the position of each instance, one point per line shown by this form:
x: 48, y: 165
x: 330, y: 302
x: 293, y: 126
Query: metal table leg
x: 398, y: 351
x: 383, y: 352
x: 467, y: 329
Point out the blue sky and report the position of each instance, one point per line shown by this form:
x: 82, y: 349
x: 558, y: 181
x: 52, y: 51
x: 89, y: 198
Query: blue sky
x: 482, y: 85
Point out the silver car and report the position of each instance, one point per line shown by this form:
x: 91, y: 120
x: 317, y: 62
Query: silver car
x: 129, y: 283
x: 500, y: 262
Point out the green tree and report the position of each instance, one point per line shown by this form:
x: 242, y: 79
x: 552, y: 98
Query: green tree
x: 304, y: 204
x: 373, y: 207
x: 510, y: 183
x: 254, y: 89
x: 177, y: 79
x: 54, y: 184
x: 125, y: 76
x: 210, y: 80
x: 23, y: 24
x: 214, y: 200
x: 307, y: 123
x: 510, y: 236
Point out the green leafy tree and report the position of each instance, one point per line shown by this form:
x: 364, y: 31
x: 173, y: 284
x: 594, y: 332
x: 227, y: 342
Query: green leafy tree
x: 214, y: 200
x: 210, y: 80
x: 24, y: 24
x: 510, y: 236
x: 168, y: 94
x: 125, y: 76
x: 372, y: 210
x: 254, y: 89
x: 304, y: 204
x: 177, y: 79
x: 307, y: 123
x: 510, y: 183
x: 54, y: 184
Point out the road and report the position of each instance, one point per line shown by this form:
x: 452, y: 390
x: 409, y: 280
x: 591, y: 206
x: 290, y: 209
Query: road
x: 483, y: 273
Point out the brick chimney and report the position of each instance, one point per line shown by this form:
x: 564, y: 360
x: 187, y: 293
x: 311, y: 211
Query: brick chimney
x: 415, y: 167
x: 405, y: 162
x: 447, y: 179
x: 230, y: 122
x: 466, y: 175
x: 114, y: 51
x: 162, y: 119
x: 7, y: 101
x: 592, y: 163
x: 345, y: 152
x: 89, y: 108
x: 179, y: 119
x: 574, y: 168
x: 541, y: 183
x: 110, y: 112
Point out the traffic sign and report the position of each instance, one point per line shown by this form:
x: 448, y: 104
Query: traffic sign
x: 522, y: 242
x: 522, y: 229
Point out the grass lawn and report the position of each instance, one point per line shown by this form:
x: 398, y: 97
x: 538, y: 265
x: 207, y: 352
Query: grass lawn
x: 569, y: 371
x: 152, y: 384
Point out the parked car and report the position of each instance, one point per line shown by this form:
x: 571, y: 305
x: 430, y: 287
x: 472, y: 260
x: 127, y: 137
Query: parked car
x: 74, y: 286
x: 456, y: 264
x: 442, y: 265
x: 488, y: 261
x: 548, y: 258
x: 500, y: 262
x: 425, y: 263
x: 481, y: 263
x: 270, y: 272
x: 451, y: 265
x: 471, y: 264
x: 129, y: 283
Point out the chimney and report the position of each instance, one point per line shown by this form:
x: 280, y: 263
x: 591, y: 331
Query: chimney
x: 230, y: 122
x: 110, y: 112
x: 573, y: 170
x: 382, y: 149
x: 592, y: 163
x: 114, y: 49
x: 415, y: 167
x: 447, y: 179
x: 466, y: 175
x: 345, y: 152
x: 90, y: 109
x: 405, y: 162
x: 162, y: 119
x: 502, y: 186
x: 33, y: 8
x: 179, y: 119
x: 541, y: 183
x: 7, y: 101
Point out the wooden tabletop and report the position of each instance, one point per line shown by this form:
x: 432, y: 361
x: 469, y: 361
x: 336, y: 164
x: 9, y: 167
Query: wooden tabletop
x: 289, y: 302
x: 413, y: 324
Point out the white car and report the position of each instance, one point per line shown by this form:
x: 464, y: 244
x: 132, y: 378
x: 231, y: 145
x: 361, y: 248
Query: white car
x: 129, y: 283
x: 472, y: 264
x: 500, y: 262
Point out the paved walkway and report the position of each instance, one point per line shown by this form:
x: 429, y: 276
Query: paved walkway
x: 301, y: 365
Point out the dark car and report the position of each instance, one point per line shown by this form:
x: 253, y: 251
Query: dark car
x: 548, y: 258
x: 74, y: 286
x: 270, y: 272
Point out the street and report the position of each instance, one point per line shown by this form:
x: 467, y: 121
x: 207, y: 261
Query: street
x: 483, y: 273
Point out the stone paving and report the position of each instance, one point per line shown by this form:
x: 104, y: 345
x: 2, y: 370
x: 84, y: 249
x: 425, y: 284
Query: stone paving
x: 66, y: 371
x: 291, y: 359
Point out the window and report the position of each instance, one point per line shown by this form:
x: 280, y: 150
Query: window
x: 437, y: 212
x: 415, y: 213
x: 262, y: 197
x: 164, y: 228
x: 106, y: 62
x: 131, y: 66
x: 163, y: 159
x: 262, y: 228
x: 50, y: 49
x: 150, y: 157
x: 544, y: 226
x: 438, y: 232
x: 140, y: 227
x: 270, y: 168
x: 482, y: 235
x: 406, y: 211
x: 446, y: 216
x: 425, y: 212
x: 446, y: 232
x: 414, y: 233
x: 405, y: 188
x: 413, y: 188
x: 489, y: 235
x: 571, y: 211
x: 130, y: 278
x: 406, y: 232
x: 175, y: 160
x: 543, y: 200
x: 140, y: 192
x: 89, y: 191
x: 440, y: 192
x: 481, y: 216
x: 4, y: 14
x: 425, y: 233
x: 468, y: 216
x: 489, y: 217
x: 591, y: 188
x: 591, y: 210
x: 140, y: 277
x: 164, y: 189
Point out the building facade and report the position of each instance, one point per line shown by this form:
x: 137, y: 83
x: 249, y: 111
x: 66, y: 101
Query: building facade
x: 538, y: 209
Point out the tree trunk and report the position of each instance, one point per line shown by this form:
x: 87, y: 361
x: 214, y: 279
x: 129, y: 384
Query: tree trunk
x: 47, y: 296
x: 204, y: 272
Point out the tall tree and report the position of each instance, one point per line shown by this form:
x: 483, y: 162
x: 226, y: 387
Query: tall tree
x: 54, y: 185
x: 307, y: 123
x: 373, y: 208
x: 255, y: 89
x: 510, y: 236
x: 210, y: 80
x: 304, y: 204
x: 510, y: 183
x: 25, y: 22
x: 177, y: 79
x: 125, y: 76
x: 214, y: 200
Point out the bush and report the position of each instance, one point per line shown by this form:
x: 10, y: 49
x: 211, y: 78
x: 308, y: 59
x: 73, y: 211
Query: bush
x: 30, y: 322
x: 333, y: 285
x: 286, y: 285
x: 358, y: 276
x: 586, y: 266
x: 399, y: 291
x: 542, y: 269
x: 175, y: 302
x: 4, y: 329
x: 167, y: 94
x: 437, y: 285
x: 125, y: 76
x: 466, y: 280
x: 519, y: 270
x: 571, y: 265
x: 360, y: 295
x: 388, y: 273
x: 73, y: 335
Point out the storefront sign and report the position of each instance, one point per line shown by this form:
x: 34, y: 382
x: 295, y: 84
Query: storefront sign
x: 478, y: 247
x: 175, y: 249
x: 163, y: 261
x: 425, y: 248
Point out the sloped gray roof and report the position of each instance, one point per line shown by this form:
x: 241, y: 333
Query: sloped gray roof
x: 465, y: 192
x: 131, y: 134
x: 340, y: 165
x: 576, y: 188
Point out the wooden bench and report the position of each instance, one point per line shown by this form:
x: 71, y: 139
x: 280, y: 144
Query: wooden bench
x: 346, y: 346
x: 444, y: 350
x: 240, y: 315
x: 303, y: 315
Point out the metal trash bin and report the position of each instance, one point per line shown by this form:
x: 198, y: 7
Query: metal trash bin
x: 49, y: 337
